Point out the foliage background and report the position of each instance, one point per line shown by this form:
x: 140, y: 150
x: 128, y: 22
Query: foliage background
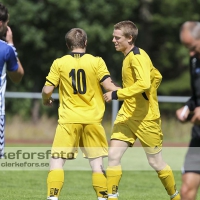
x: 39, y: 27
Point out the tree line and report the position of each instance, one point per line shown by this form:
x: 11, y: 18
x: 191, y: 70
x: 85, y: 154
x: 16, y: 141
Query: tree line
x: 39, y: 28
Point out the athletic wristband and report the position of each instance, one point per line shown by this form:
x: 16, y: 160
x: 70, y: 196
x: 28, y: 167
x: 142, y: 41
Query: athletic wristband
x: 184, y: 111
x: 114, y: 95
x: 14, y: 49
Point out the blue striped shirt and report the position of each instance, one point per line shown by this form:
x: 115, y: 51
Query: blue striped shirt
x: 8, y: 62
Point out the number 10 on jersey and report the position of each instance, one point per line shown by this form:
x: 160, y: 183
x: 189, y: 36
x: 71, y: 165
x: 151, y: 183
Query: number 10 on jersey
x: 78, y: 81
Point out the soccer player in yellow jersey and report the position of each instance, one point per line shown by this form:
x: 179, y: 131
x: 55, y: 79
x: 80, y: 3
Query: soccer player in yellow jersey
x: 79, y: 77
x: 139, y: 116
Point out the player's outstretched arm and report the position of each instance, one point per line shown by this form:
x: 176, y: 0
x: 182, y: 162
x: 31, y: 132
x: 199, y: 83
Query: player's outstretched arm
x: 109, y: 85
x: 108, y: 96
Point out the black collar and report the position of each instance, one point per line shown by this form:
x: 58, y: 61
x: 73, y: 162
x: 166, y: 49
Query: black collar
x: 74, y: 54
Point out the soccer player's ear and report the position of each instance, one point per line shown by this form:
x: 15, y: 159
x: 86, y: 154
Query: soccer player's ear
x: 130, y: 39
x: 86, y: 43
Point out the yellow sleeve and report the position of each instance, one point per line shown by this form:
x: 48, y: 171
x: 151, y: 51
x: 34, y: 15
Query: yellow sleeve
x: 142, y: 82
x: 102, y: 70
x: 53, y: 77
x: 158, y: 78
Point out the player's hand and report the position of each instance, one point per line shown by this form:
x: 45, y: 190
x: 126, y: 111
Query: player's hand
x: 9, y: 36
x: 108, y: 96
x: 182, y: 113
x: 196, y: 118
x: 48, y: 102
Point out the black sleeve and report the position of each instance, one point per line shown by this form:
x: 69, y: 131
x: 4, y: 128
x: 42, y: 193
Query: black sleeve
x: 191, y: 103
x: 104, y: 78
x: 114, y: 95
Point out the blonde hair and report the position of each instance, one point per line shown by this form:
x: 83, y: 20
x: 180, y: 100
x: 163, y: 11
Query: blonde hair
x: 128, y: 28
x: 76, y: 38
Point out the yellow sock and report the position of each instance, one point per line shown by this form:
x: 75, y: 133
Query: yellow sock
x: 167, y: 178
x: 55, y: 182
x: 99, y: 183
x: 114, y: 174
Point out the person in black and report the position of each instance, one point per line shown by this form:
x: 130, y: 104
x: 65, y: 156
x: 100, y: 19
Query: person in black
x: 190, y: 37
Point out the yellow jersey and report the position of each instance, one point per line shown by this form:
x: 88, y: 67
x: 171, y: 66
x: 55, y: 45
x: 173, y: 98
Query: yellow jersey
x: 140, y: 83
x: 80, y: 94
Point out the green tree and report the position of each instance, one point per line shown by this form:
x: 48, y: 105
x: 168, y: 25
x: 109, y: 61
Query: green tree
x: 39, y: 27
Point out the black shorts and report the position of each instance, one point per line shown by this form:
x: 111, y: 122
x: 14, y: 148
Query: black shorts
x: 192, y: 158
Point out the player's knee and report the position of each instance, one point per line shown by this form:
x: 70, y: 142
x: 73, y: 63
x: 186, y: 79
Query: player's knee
x: 156, y: 163
x: 153, y: 163
x: 114, y: 158
x: 113, y: 161
x: 186, y: 192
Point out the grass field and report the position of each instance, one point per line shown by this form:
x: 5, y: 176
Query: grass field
x: 31, y: 185
x: 139, y: 181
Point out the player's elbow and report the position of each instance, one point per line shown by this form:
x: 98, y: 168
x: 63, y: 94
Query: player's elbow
x: 16, y: 76
x: 16, y: 79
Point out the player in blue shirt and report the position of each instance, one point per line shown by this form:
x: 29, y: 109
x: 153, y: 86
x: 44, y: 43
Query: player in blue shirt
x: 9, y: 65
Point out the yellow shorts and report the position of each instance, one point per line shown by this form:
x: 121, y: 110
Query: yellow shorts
x: 148, y: 132
x: 91, y: 139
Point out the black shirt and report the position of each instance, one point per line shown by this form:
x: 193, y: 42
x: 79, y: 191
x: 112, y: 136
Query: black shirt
x: 194, y: 101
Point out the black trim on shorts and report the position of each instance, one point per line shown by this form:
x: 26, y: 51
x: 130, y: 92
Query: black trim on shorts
x: 191, y: 171
x: 129, y: 144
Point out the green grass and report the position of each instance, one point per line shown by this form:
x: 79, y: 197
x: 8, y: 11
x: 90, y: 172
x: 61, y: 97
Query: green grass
x: 138, y: 182
x: 31, y: 185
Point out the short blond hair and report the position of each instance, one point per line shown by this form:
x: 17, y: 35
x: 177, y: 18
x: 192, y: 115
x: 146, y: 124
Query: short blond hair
x: 76, y: 38
x: 128, y: 28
